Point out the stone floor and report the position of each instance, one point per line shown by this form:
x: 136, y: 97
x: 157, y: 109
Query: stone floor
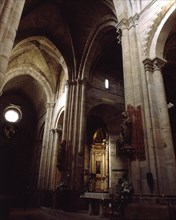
x: 50, y: 214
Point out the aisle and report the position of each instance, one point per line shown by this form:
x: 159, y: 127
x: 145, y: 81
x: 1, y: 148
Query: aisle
x: 49, y: 214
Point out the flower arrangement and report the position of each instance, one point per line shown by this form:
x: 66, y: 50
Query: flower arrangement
x: 123, y: 192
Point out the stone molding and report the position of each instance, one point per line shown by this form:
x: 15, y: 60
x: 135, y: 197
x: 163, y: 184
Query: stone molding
x: 151, y: 29
x: 126, y: 24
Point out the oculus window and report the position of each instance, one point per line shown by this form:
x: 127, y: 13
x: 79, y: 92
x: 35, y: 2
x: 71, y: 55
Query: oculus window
x: 12, y: 114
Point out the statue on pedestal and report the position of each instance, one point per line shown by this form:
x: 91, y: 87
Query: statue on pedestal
x: 124, y: 143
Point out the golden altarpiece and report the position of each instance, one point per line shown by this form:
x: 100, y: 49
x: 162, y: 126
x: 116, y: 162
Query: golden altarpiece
x: 97, y: 178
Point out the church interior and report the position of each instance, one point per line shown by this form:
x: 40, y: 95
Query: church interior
x: 87, y: 106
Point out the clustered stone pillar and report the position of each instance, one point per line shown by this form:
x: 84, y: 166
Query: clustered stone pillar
x: 168, y: 167
x: 73, y: 131
x: 56, y: 140
x: 128, y: 80
x: 152, y: 122
x: 82, y: 117
x: 10, y: 13
x: 132, y: 81
x: 160, y: 146
x: 146, y: 88
x: 44, y: 170
x: 66, y: 112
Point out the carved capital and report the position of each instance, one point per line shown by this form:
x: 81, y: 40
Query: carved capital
x: 70, y: 83
x: 56, y: 130
x: 133, y: 21
x: 67, y: 83
x: 158, y: 64
x: 82, y: 81
x: 49, y: 104
x: 123, y: 24
x: 148, y: 65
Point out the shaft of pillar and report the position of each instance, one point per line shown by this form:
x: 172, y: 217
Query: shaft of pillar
x: 128, y: 80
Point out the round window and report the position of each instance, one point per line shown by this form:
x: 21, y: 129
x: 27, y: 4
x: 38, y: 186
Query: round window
x: 12, y: 114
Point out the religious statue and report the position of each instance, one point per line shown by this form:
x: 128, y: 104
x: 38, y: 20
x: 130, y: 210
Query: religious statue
x: 125, y: 137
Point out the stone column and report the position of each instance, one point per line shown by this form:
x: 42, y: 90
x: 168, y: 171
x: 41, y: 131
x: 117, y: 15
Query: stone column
x: 151, y: 123
x: 132, y: 84
x: 56, y: 133
x: 166, y: 143
x: 80, y: 135
x: 135, y: 67
x: 81, y: 143
x: 45, y: 154
x: 73, y: 130
x: 66, y: 112
x: 36, y: 162
x: 9, y: 20
x: 127, y: 64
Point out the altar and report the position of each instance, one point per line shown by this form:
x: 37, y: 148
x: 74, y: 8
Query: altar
x: 101, y: 198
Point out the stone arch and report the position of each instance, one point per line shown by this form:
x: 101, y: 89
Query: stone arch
x: 108, y: 112
x: 159, y: 31
x: 45, y: 44
x: 107, y: 117
x: 101, y: 26
x: 59, y: 117
x: 31, y: 71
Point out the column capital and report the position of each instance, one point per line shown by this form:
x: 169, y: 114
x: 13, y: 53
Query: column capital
x: 123, y: 24
x: 49, y: 104
x: 158, y: 63
x: 67, y: 83
x: 148, y: 65
x: 80, y: 81
x: 56, y: 130
x: 83, y: 81
x: 133, y: 21
x: 70, y: 83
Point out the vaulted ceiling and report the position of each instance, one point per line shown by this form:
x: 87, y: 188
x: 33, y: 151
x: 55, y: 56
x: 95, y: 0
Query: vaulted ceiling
x: 69, y: 25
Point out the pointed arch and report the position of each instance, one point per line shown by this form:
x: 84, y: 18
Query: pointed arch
x: 100, y: 27
x: 36, y: 74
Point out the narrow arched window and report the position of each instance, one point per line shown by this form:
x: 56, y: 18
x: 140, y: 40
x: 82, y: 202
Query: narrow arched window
x: 106, y: 84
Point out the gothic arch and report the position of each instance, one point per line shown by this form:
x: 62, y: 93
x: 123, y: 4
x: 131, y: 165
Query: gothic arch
x: 100, y: 27
x: 59, y: 118
x: 46, y: 45
x: 31, y: 71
